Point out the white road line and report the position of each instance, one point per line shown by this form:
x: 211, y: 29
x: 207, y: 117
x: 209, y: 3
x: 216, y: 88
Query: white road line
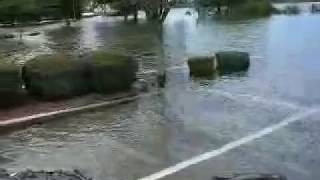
x: 29, y: 119
x: 258, y: 99
x: 230, y: 146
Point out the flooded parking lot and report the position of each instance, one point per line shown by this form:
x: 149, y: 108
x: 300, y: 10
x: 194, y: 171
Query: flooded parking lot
x: 190, y: 116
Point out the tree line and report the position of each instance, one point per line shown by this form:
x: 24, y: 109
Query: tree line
x: 12, y: 11
x: 35, y: 10
x: 239, y: 7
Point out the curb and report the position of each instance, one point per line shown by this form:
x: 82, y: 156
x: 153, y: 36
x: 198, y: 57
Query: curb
x: 44, y: 117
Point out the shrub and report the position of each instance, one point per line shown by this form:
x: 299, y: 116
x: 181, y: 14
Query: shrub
x: 232, y: 61
x: 255, y: 8
x: 112, y: 72
x: 10, y: 84
x: 202, y: 66
x: 55, y: 76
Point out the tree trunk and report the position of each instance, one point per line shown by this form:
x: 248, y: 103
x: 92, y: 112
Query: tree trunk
x: 135, y: 14
x: 74, y: 8
x: 219, y: 9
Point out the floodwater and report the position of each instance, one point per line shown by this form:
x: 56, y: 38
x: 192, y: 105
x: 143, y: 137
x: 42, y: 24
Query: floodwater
x: 190, y: 116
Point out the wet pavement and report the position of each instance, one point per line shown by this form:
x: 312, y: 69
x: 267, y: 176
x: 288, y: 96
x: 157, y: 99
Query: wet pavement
x: 138, y: 139
x: 290, y: 151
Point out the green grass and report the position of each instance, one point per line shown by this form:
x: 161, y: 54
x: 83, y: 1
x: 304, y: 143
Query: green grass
x: 51, y: 64
x: 108, y: 59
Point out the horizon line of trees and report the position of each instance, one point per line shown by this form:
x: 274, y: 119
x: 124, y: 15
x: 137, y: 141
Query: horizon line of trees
x: 239, y: 7
x: 12, y: 11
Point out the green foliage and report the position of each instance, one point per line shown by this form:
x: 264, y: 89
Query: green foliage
x: 71, y: 8
x: 201, y: 66
x: 241, y: 7
x: 292, y: 9
x: 55, y: 76
x: 214, y: 3
x: 254, y: 8
x: 14, y: 10
x: 10, y: 84
x: 34, y: 10
x: 232, y: 61
x: 112, y: 72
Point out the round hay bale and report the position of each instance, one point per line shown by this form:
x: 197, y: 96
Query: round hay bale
x: 232, y: 61
x: 112, y: 72
x: 202, y: 66
x: 10, y: 84
x: 55, y: 76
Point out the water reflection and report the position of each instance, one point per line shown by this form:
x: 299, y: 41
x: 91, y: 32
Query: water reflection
x: 69, y: 42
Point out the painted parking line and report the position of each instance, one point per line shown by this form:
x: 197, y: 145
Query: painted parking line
x: 232, y: 145
x: 46, y: 116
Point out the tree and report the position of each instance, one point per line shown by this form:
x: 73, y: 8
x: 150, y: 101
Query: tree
x: 18, y: 10
x: 71, y: 9
x: 154, y: 9
x: 244, y: 7
x: 34, y: 10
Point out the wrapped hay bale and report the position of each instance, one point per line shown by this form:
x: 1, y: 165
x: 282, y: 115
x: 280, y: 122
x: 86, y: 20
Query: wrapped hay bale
x: 232, y: 61
x: 55, y: 76
x: 112, y: 72
x: 10, y: 84
x: 202, y: 66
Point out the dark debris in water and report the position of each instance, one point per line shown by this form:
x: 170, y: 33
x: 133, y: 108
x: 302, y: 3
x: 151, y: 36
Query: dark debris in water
x: 251, y: 177
x: 44, y: 175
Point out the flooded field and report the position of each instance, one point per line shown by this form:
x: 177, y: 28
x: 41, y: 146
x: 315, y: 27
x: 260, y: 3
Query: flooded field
x: 190, y: 116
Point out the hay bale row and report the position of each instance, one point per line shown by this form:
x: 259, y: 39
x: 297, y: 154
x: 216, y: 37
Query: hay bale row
x: 54, y: 76
x: 110, y: 73
x: 223, y: 62
x: 10, y: 83
x: 60, y: 76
